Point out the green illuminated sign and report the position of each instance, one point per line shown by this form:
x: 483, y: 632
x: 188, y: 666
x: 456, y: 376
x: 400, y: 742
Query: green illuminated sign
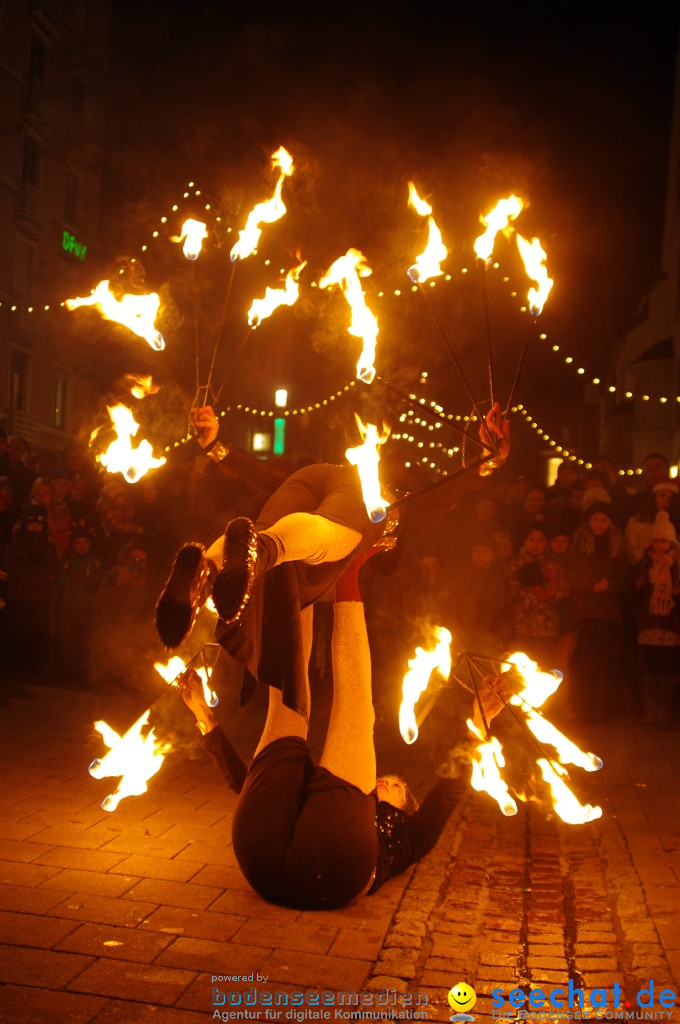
x: 279, y: 436
x: 69, y: 243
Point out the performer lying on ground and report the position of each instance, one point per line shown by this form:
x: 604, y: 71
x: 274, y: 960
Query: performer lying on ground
x: 318, y: 837
x: 263, y: 576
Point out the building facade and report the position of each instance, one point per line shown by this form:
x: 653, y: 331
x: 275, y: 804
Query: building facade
x: 53, y: 70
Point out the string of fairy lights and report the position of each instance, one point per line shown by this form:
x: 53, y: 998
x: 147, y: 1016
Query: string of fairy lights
x: 413, y: 429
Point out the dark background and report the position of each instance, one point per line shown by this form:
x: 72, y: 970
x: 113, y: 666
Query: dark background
x: 570, y: 107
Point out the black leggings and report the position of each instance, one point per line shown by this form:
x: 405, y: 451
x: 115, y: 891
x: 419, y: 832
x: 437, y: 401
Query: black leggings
x: 303, y: 837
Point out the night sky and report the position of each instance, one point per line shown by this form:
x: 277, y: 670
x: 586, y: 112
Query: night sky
x: 569, y: 107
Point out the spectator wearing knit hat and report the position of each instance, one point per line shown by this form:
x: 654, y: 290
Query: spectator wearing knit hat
x: 663, y: 495
x: 657, y: 586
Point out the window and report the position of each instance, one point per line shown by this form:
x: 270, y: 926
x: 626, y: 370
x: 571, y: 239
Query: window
x: 18, y: 382
x: 30, y: 161
x: 59, y: 402
x: 24, y: 267
x: 71, y: 198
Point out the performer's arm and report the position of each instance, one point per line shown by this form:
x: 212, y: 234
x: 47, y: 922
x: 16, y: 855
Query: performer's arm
x: 232, y: 463
x: 213, y: 738
x: 427, y: 824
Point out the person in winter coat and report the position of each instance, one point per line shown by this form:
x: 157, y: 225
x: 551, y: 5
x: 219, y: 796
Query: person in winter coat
x: 657, y: 586
x: 597, y: 576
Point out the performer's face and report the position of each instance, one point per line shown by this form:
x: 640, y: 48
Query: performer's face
x: 392, y: 790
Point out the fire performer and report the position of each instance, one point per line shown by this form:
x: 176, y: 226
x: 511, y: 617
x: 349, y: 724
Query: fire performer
x: 316, y: 838
x: 265, y: 576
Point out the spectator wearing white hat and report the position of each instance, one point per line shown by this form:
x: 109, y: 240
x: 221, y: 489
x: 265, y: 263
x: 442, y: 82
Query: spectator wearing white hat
x: 657, y: 585
x: 663, y: 495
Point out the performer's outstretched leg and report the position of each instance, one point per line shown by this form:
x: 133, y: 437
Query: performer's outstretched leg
x: 282, y: 720
x: 349, y: 750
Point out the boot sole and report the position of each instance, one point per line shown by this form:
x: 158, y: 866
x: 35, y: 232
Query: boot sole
x: 175, y: 612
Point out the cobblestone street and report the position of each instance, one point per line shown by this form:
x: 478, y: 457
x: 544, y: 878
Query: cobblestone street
x: 126, y: 917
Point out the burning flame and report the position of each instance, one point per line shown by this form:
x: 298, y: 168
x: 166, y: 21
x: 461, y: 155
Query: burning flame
x: 534, y: 256
x: 486, y: 771
x: 427, y: 265
x: 120, y: 456
x: 538, y: 686
x: 140, y: 387
x: 346, y: 272
x: 420, y: 668
x: 366, y: 457
x: 264, y: 213
x: 136, y: 757
x: 567, y: 751
x: 566, y: 805
x: 193, y: 232
x: 174, y: 669
x: 136, y: 312
x: 499, y: 219
x: 275, y: 297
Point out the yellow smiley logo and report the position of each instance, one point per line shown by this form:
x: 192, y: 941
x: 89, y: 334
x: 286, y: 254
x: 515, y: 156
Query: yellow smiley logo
x: 462, y: 997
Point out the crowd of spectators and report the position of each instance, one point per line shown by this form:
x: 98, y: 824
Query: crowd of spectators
x: 582, y: 575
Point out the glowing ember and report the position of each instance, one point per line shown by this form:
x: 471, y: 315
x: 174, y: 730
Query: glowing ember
x: 420, y: 668
x: 136, y: 757
x: 346, y: 272
x: 175, y: 668
x: 120, y: 456
x: 534, y: 256
x: 264, y: 213
x: 136, y: 312
x: 275, y: 297
x: 427, y: 265
x: 366, y: 457
x: 192, y: 234
x: 499, y: 219
x: 538, y: 686
x: 486, y: 771
x: 140, y: 387
x: 567, y: 807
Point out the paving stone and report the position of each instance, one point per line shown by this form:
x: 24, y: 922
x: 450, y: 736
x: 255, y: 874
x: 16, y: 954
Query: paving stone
x: 115, y: 943
x: 20, y: 965
x: 86, y: 860
x: 62, y: 835
x: 155, y: 867
x: 46, y: 1006
x: 101, y: 909
x: 382, y: 982
x: 206, y: 955
x: 32, y: 930
x: 20, y: 830
x: 301, y: 935
x: 176, y: 894
x: 33, y: 901
x: 249, y: 904
x: 337, y: 973
x: 25, y: 874
x: 144, y: 983
x: 118, y: 1012
x: 98, y: 883
x: 449, y: 945
x: 196, y: 924
x: 412, y: 928
x: 547, y: 963
x: 588, y: 964
x: 220, y: 877
x: 137, y: 842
